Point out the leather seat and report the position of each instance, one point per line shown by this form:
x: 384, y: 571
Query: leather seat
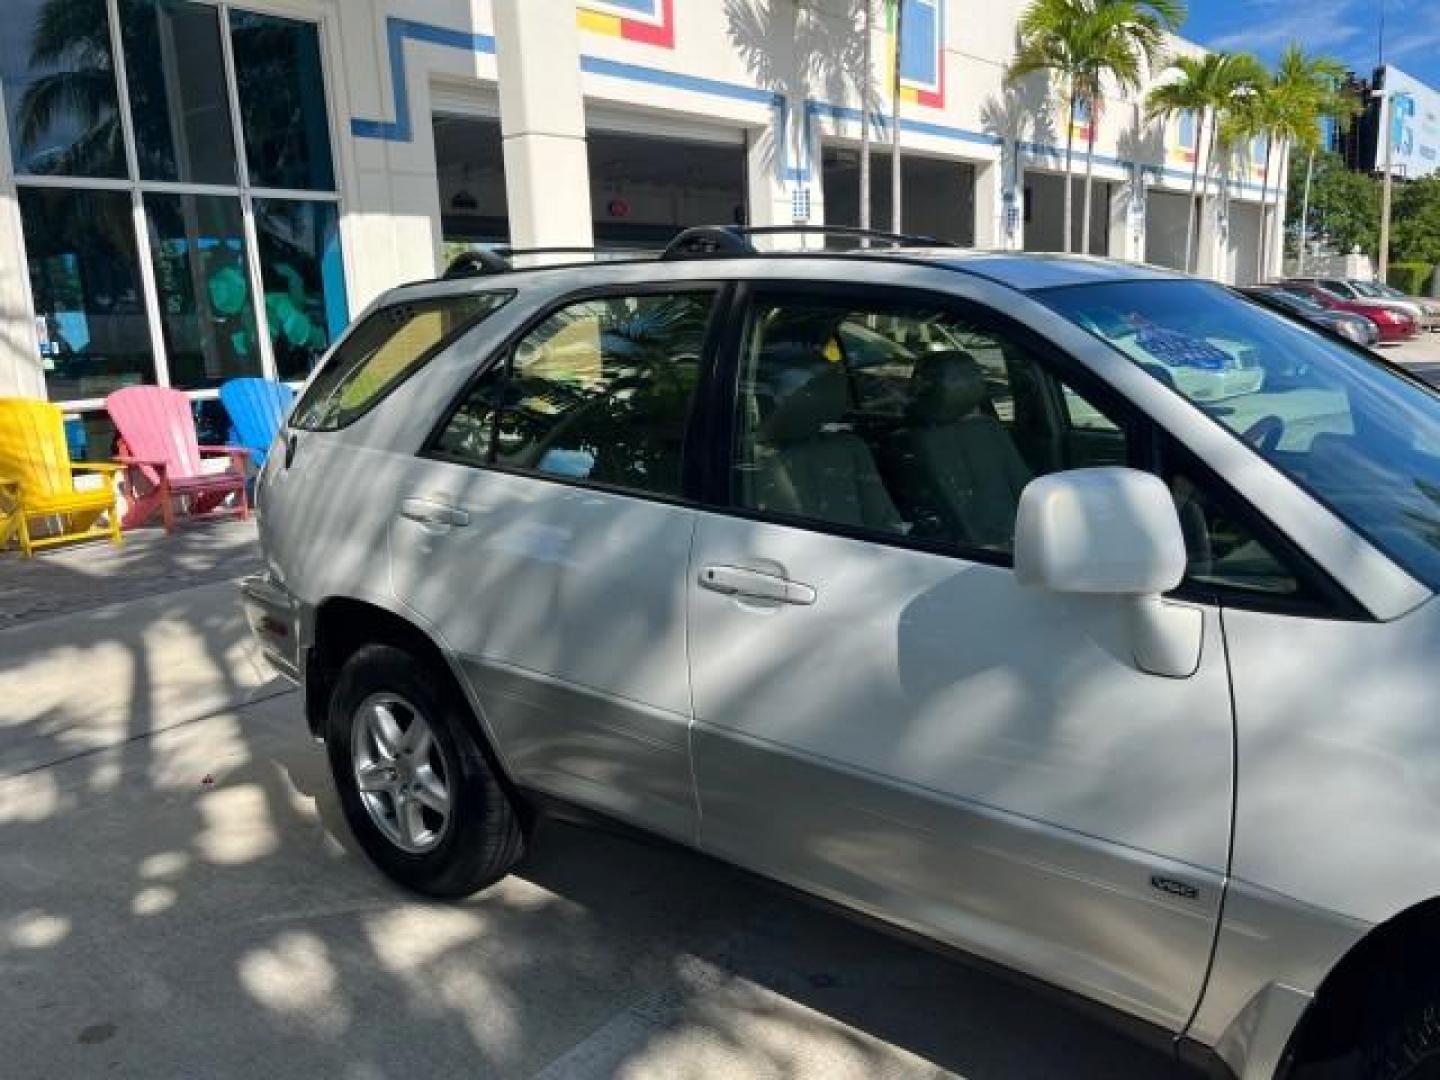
x: 957, y: 460
x: 809, y: 464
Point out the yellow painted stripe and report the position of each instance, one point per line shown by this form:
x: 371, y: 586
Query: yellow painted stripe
x: 910, y: 94
x: 597, y: 22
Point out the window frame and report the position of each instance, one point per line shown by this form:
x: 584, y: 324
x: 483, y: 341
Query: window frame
x: 503, y: 354
x: 1148, y: 446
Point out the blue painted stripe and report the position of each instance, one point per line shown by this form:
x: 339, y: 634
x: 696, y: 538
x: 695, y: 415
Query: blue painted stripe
x: 397, y: 32
x: 675, y: 80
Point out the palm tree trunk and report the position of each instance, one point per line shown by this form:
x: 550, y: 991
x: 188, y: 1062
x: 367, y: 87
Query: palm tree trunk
x: 1205, y: 184
x: 1305, y: 215
x: 1089, y: 182
x: 895, y: 199
x: 1069, y: 195
x: 866, y: 76
x: 1194, y: 187
x: 1264, y: 210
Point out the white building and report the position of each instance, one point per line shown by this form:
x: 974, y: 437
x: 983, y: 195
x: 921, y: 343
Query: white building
x: 254, y: 173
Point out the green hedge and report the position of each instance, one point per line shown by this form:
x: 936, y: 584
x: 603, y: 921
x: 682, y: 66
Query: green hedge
x: 1412, y: 278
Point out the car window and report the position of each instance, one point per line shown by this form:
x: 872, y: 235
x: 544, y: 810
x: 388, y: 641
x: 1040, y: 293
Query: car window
x: 598, y: 391
x: 902, y: 421
x: 1360, y: 437
x: 386, y: 348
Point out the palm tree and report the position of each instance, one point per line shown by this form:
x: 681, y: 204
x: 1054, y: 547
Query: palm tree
x: 1125, y: 43
x: 1204, y: 86
x: 1081, y: 43
x: 72, y: 37
x: 1303, y: 90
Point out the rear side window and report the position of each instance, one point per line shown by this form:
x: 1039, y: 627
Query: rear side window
x: 383, y: 351
x: 599, y: 391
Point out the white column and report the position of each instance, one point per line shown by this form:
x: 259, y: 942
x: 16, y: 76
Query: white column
x: 1122, y: 234
x: 542, y: 123
x: 20, y: 366
x: 990, y: 204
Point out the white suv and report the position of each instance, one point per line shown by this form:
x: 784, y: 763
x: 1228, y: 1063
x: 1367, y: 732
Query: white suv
x: 920, y: 579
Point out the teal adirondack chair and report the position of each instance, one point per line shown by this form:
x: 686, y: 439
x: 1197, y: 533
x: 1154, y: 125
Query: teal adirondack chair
x: 257, y: 409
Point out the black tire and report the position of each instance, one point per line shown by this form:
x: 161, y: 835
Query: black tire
x: 1409, y: 1048
x: 481, y: 839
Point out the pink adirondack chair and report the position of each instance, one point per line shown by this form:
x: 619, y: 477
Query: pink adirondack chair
x: 158, y: 443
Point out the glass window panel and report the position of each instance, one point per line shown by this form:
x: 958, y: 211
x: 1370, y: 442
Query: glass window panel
x: 58, y: 76
x: 304, y: 279
x: 900, y: 420
x: 601, y: 391
x: 85, y: 276
x: 178, y: 104
x: 383, y: 351
x: 282, y: 102
x: 198, y: 248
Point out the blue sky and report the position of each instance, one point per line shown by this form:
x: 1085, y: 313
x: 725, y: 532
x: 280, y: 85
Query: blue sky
x: 1346, y: 29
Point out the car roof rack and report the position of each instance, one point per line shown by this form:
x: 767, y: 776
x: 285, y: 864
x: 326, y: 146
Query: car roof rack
x: 499, y: 259
x: 734, y: 240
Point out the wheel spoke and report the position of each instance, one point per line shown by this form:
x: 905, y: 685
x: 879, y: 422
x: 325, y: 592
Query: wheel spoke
x: 385, y: 730
x: 429, y: 791
x: 418, y: 740
x: 408, y: 818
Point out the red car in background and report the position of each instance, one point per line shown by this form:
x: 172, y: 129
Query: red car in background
x: 1394, y: 325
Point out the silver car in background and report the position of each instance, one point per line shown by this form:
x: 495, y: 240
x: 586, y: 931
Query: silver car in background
x: 1076, y: 615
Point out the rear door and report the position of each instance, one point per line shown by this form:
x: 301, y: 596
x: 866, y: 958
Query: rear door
x: 546, y: 534
x: 883, y: 716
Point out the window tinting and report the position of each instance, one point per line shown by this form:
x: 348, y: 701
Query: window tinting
x: 197, y: 245
x: 1361, y: 438
x: 903, y: 421
x: 85, y: 277
x: 178, y: 106
x: 599, y: 391
x: 58, y: 76
x: 384, y: 350
x: 282, y: 102
x: 304, y: 280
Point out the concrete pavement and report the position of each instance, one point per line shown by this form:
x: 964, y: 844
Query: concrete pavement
x: 181, y: 899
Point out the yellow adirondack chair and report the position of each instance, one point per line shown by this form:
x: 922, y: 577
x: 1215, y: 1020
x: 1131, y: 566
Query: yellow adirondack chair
x: 37, y: 479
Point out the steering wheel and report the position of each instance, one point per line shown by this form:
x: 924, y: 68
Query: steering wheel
x: 1265, y: 433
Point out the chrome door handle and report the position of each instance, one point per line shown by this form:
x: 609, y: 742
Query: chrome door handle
x: 432, y: 512
x: 756, y: 584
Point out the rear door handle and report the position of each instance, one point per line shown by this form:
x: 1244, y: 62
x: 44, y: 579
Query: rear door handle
x: 756, y: 584
x: 429, y: 511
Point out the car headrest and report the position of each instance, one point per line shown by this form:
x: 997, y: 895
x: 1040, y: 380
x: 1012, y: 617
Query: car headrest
x: 945, y: 387
x: 822, y: 398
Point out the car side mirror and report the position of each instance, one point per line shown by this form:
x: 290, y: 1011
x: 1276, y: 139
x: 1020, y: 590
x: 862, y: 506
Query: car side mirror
x: 1115, y: 532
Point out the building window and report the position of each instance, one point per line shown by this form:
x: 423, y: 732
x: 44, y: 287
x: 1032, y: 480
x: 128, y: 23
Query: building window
x: 175, y: 67
x: 57, y: 68
x: 85, y: 276
x: 197, y: 245
x: 282, y: 102
x: 177, y: 192
x: 304, y: 280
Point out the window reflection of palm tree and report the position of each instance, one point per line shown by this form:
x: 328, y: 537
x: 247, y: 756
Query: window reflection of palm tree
x: 73, y: 37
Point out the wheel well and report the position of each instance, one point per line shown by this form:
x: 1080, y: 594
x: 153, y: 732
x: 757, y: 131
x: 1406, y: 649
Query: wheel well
x: 344, y: 626
x: 1384, y: 970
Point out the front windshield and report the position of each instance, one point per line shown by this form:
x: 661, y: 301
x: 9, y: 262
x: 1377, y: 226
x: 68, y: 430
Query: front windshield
x: 1365, y: 288
x: 1357, y: 435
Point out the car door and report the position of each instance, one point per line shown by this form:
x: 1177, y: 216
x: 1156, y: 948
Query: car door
x: 885, y: 717
x: 545, y: 534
